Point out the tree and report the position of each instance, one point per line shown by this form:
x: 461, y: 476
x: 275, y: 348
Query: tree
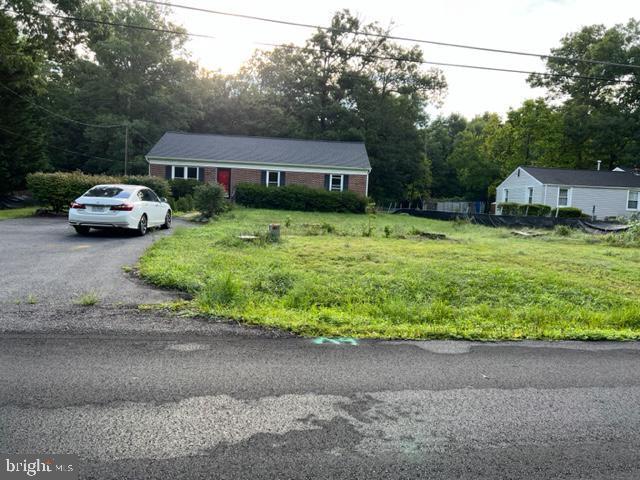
x: 29, y: 44
x: 602, y: 100
x: 476, y: 166
x: 131, y: 77
x: 439, y: 137
x: 343, y: 86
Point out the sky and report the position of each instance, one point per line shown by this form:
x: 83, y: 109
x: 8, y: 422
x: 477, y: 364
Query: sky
x: 525, y: 25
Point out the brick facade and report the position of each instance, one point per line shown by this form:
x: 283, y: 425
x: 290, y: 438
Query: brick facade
x: 244, y: 175
x: 156, y: 170
x: 209, y: 174
x: 357, y: 183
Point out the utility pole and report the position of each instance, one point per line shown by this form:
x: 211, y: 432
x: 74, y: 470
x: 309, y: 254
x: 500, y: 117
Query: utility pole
x: 126, y: 148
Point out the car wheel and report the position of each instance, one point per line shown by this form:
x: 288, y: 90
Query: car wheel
x: 142, y: 225
x: 81, y: 230
x: 167, y: 221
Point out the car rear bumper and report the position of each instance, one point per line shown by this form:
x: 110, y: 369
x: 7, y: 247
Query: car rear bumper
x: 109, y: 220
x: 101, y: 224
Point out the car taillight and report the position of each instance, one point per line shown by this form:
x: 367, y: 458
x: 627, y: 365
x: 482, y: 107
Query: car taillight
x: 77, y: 205
x: 124, y: 207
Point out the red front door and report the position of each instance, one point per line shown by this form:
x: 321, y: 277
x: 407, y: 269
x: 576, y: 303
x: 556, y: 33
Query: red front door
x: 224, y: 178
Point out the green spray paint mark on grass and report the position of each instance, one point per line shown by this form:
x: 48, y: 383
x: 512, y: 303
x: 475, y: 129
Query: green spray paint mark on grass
x: 335, y: 341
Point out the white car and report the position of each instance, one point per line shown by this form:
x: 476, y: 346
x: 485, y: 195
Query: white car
x: 119, y: 206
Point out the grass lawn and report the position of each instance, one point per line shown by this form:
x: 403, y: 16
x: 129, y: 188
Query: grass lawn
x: 17, y: 212
x: 327, y: 278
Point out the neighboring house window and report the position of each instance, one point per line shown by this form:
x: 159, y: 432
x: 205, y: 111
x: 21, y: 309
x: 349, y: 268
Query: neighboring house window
x: 506, y: 195
x: 632, y: 201
x: 272, y: 179
x: 563, y: 197
x: 336, y: 183
x: 518, y: 174
x: 530, y: 195
x: 185, y: 172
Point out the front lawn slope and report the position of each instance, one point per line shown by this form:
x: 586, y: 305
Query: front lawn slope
x: 382, y: 277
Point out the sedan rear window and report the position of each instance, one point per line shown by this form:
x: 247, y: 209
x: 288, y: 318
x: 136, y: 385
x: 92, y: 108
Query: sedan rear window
x: 108, y: 192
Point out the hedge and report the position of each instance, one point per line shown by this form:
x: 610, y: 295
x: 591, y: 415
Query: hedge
x: 526, y: 209
x: 568, y: 212
x: 59, y: 189
x: 181, y: 187
x: 298, y: 197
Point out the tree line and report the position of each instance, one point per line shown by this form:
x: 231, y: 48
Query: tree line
x: 72, y: 78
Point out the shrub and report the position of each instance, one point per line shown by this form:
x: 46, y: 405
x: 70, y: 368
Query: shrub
x: 299, y: 197
x: 157, y: 184
x: 59, y: 189
x: 184, y: 204
x: 509, y: 208
x: 209, y: 199
x: 567, y: 212
x: 536, y: 210
x: 525, y: 209
x: 562, y: 230
x: 181, y: 187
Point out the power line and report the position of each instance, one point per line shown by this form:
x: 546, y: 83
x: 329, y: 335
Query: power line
x: 392, y: 37
x: 64, y: 117
x: 56, y: 114
x: 59, y: 148
x: 365, y: 56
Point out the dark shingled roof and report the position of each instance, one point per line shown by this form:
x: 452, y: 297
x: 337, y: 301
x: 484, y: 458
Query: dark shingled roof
x: 587, y: 178
x: 261, y: 150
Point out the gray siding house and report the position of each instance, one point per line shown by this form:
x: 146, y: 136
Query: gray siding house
x: 595, y: 192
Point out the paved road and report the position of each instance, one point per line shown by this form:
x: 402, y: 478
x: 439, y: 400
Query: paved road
x: 229, y: 406
x: 149, y: 394
x: 45, y: 258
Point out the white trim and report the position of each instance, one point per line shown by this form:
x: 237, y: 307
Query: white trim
x: 331, y: 175
x: 637, y: 201
x: 258, y: 166
x: 560, y: 185
x: 366, y: 187
x: 266, y: 177
x: 513, y: 174
x: 186, y: 172
x: 568, y: 189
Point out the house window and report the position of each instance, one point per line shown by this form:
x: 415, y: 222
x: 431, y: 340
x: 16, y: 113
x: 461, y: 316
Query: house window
x: 563, y: 197
x: 506, y: 195
x: 632, y: 200
x: 530, y: 195
x: 336, y: 183
x: 272, y: 179
x: 185, y: 172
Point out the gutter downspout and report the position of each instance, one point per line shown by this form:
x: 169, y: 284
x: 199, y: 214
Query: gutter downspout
x: 366, y: 188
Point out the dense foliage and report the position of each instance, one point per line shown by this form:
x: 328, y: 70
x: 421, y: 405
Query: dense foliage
x: 582, y: 119
x: 298, y: 197
x: 70, y: 90
x: 181, y: 187
x: 531, y: 210
x: 210, y: 199
x: 57, y: 190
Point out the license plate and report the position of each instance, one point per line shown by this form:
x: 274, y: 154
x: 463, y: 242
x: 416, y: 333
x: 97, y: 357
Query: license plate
x: 97, y: 209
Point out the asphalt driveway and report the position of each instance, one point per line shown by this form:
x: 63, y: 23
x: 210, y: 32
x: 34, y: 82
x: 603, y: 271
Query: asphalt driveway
x: 44, y: 261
